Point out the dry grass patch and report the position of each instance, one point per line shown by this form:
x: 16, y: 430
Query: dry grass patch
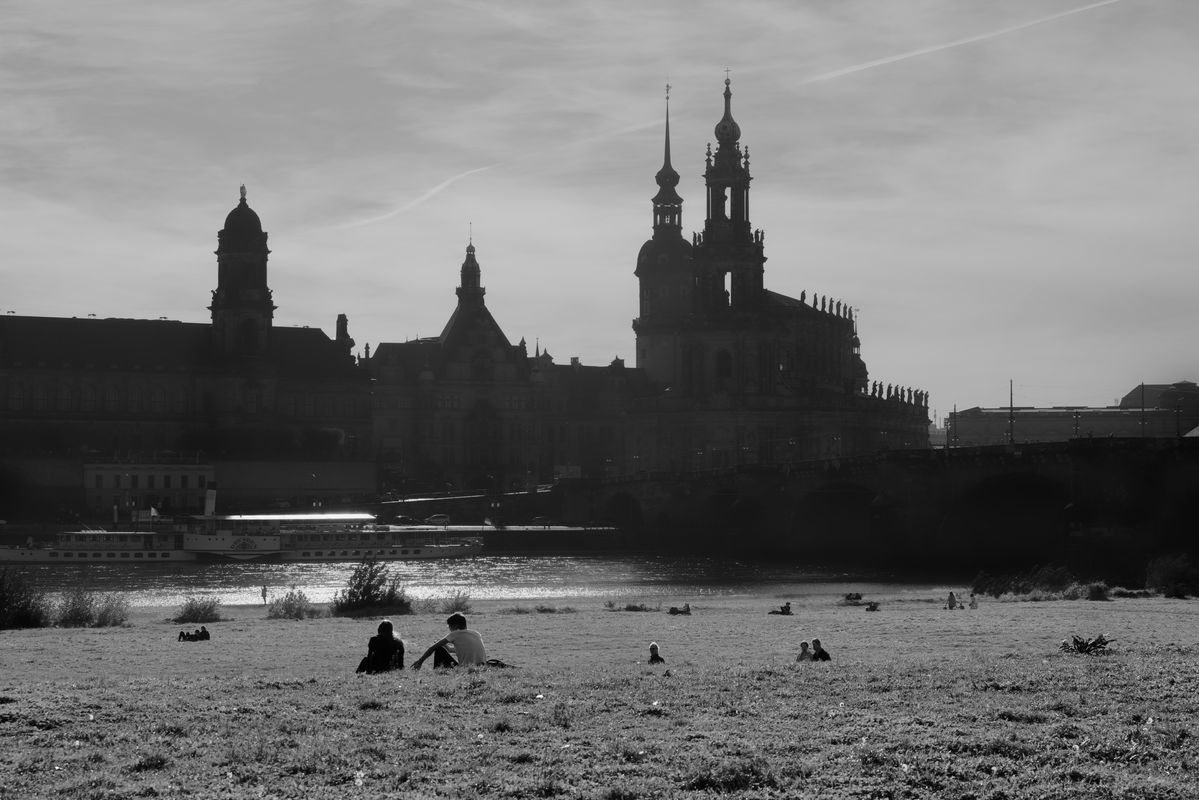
x: 963, y: 705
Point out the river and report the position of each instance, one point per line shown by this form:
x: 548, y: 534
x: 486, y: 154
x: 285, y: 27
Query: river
x: 491, y: 577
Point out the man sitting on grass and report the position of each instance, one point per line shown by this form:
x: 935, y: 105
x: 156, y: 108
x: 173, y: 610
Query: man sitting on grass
x: 467, y: 644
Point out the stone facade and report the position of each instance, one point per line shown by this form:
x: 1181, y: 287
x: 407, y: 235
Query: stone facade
x: 79, y: 394
x: 747, y: 375
x: 103, y: 412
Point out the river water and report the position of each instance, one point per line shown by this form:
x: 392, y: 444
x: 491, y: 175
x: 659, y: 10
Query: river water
x: 491, y: 577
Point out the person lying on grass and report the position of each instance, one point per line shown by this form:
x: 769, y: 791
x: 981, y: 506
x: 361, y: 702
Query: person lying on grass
x: 467, y: 644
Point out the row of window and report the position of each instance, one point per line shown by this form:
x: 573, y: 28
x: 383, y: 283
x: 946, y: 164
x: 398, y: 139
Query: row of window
x: 356, y: 553
x: 133, y: 480
x: 136, y: 554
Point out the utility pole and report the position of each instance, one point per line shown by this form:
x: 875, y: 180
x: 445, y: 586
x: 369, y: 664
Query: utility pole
x: 1142, y: 409
x: 1011, y: 414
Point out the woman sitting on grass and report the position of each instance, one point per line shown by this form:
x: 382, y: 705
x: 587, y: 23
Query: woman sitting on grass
x: 384, y: 651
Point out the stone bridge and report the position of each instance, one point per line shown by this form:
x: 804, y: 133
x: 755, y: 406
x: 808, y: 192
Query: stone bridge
x: 1084, y: 501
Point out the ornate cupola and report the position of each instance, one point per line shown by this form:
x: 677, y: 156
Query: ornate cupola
x: 668, y: 206
x: 729, y: 256
x: 470, y: 292
x: 727, y: 177
x: 242, y: 309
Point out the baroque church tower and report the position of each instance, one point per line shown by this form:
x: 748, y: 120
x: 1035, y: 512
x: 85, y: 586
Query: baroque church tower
x: 700, y: 299
x: 664, y: 273
x: 729, y: 260
x: 242, y: 309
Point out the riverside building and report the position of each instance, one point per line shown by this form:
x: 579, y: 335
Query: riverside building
x: 122, y: 413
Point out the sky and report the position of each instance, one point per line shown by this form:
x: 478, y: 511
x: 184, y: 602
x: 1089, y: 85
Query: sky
x: 1003, y: 190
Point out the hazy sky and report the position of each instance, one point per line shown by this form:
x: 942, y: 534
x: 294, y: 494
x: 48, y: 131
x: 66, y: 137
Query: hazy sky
x: 1004, y: 189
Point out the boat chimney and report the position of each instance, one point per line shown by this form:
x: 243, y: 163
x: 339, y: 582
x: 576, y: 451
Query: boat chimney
x: 210, y: 500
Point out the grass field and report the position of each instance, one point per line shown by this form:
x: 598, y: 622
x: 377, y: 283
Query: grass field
x: 917, y: 702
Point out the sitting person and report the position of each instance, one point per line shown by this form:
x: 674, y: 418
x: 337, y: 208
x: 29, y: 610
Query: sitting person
x: 818, y: 652
x: 202, y: 635
x: 784, y: 609
x: 973, y: 601
x: 384, y: 651
x: 952, y: 602
x: 654, y: 658
x: 686, y: 609
x: 467, y: 644
x: 804, y: 653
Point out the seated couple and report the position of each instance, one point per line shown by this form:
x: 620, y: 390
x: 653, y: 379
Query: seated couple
x: 817, y: 653
x: 201, y: 635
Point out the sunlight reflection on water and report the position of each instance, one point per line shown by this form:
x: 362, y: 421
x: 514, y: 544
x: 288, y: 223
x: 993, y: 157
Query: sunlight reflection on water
x: 496, y: 577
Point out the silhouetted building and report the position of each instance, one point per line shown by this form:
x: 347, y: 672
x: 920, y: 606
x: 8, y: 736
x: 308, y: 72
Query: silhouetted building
x: 1155, y: 411
x: 272, y: 414
x: 747, y: 375
x: 468, y: 409
x: 127, y: 414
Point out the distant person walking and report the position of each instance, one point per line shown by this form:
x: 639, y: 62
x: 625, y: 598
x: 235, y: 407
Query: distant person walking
x: 264, y: 595
x: 467, y: 644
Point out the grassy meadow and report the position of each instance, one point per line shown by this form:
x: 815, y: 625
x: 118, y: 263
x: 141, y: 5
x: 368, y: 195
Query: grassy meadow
x: 917, y: 702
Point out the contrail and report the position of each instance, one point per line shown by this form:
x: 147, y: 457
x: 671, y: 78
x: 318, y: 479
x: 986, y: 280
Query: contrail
x: 411, y: 204
x: 956, y: 43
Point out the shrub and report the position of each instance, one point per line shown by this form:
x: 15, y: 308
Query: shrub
x: 112, y: 610
x: 458, y: 601
x: 83, y: 608
x: 1097, y: 590
x: 21, y: 605
x: 293, y: 605
x: 77, y: 609
x: 1043, y: 579
x: 1173, y: 576
x: 199, y: 609
x: 371, y: 588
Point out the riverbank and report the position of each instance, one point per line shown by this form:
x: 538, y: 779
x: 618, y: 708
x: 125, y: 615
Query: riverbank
x: 918, y: 701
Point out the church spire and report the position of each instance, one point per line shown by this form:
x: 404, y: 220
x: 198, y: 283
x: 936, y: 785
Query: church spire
x: 668, y: 206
